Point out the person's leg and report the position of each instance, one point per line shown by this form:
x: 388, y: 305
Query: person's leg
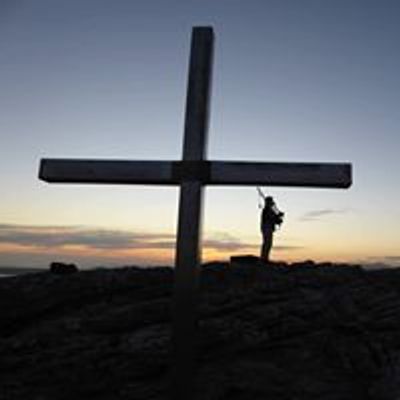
x: 266, y: 246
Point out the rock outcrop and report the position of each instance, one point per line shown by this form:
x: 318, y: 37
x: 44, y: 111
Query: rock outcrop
x: 304, y: 331
x: 63, y: 268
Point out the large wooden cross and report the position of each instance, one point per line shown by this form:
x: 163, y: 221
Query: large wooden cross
x: 192, y: 173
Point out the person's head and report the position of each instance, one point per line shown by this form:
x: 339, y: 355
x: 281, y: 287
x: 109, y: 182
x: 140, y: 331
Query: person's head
x: 269, y: 201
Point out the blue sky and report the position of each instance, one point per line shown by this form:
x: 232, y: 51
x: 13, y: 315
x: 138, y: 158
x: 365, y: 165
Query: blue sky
x: 293, y: 81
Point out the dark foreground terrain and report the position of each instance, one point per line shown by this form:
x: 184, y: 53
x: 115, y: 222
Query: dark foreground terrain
x: 280, y: 332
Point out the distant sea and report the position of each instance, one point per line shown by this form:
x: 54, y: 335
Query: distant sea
x: 12, y: 271
x: 7, y: 275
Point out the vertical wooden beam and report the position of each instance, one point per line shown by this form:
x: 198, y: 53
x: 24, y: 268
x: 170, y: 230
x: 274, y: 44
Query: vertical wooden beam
x: 198, y: 94
x: 188, y: 254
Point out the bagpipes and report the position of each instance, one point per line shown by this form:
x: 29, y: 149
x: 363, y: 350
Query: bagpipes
x: 278, y: 215
x: 262, y: 195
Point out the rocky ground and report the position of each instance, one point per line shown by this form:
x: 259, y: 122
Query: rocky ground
x: 300, y: 331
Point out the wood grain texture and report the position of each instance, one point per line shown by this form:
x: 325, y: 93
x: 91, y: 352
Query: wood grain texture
x: 188, y: 253
x: 322, y: 175
x: 237, y: 173
x: 106, y: 171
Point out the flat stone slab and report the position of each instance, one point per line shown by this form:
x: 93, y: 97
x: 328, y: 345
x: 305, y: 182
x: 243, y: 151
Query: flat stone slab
x: 247, y: 259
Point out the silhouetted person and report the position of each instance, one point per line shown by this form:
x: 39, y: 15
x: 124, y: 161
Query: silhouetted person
x: 270, y: 218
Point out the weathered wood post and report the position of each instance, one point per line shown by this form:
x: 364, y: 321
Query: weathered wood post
x: 188, y: 253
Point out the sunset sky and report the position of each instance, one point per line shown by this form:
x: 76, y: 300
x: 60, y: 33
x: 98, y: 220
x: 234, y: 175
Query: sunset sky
x: 310, y: 80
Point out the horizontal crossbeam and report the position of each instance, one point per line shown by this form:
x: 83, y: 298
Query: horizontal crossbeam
x: 237, y: 173
x: 106, y: 171
x: 329, y: 175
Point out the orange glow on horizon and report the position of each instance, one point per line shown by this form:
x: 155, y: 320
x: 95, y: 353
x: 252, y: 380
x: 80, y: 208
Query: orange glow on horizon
x: 86, y: 255
x: 143, y: 256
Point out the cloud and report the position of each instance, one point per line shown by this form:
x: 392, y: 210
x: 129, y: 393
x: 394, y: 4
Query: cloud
x: 287, y: 247
x: 392, y: 258
x: 318, y: 214
x: 379, y: 262
x: 101, y: 239
x: 388, y: 261
x: 26, y: 245
x: 59, y: 237
x: 222, y: 241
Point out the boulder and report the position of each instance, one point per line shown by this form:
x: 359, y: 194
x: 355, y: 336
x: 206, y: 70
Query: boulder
x: 61, y: 268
